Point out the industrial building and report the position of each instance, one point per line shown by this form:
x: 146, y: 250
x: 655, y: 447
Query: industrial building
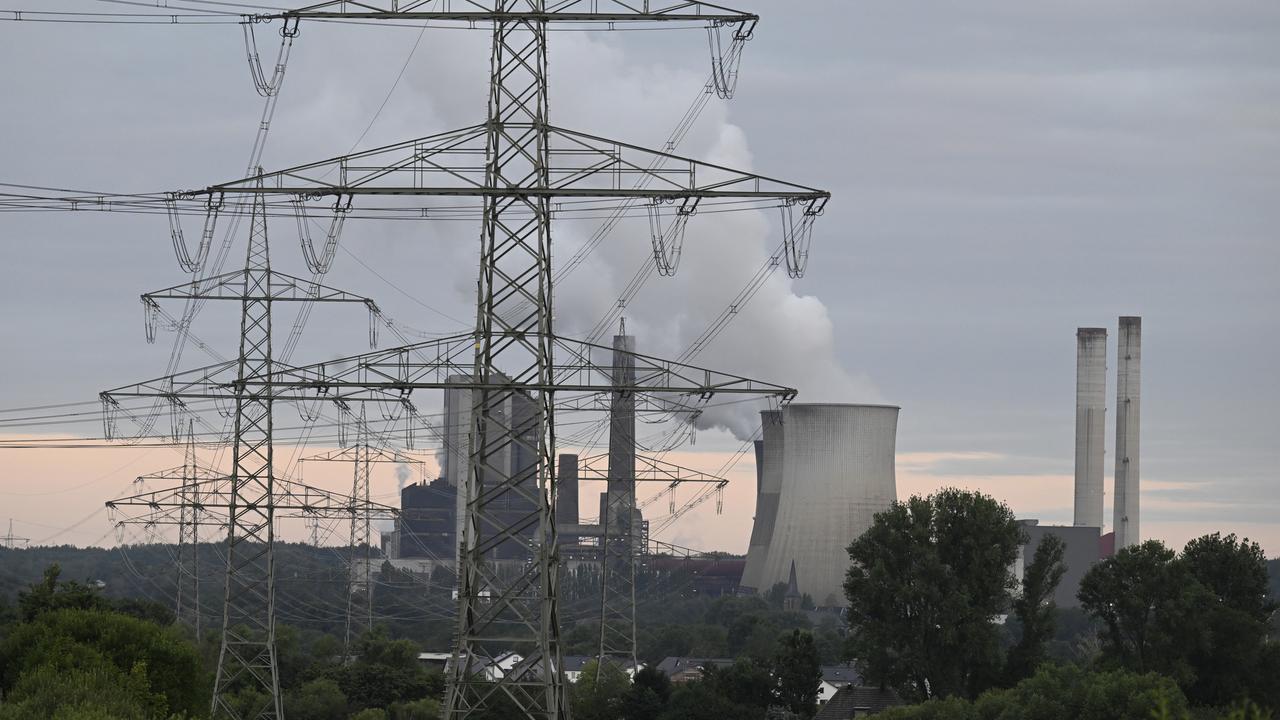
x: 1081, y: 549
x: 829, y: 469
x: 1085, y: 542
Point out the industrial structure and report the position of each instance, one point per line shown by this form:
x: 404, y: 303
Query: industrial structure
x: 510, y: 171
x: 833, y: 467
x: 1128, y: 417
x: 1091, y: 425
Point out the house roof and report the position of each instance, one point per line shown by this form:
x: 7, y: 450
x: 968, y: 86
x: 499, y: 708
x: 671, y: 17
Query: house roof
x: 575, y: 663
x: 841, y: 675
x: 859, y: 699
x: 672, y: 665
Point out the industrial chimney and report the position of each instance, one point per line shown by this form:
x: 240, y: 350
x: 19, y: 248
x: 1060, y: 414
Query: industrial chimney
x: 1091, y: 421
x: 1128, y: 414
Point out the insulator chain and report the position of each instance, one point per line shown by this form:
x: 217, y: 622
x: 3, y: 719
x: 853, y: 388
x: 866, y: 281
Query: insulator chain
x: 186, y: 261
x: 668, y: 241
x: 177, y: 411
x: 344, y: 424
x: 150, y: 315
x: 375, y: 321
x: 410, y: 419
x: 797, y: 234
x: 323, y: 261
x: 110, y: 409
x: 268, y: 88
x: 725, y: 64
x: 720, y: 499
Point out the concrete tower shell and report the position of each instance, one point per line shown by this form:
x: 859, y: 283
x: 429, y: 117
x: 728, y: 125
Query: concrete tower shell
x: 837, y: 473
x: 1128, y: 417
x: 768, y: 487
x: 1091, y: 422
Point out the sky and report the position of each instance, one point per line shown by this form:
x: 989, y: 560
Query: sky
x: 1002, y: 173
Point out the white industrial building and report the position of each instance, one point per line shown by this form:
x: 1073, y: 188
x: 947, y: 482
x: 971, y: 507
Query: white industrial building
x: 832, y: 467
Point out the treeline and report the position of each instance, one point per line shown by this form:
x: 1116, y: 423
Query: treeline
x: 1172, y: 632
x: 68, y: 652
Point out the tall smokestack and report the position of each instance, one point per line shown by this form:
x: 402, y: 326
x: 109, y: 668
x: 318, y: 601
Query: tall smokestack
x: 1128, y: 415
x: 1091, y: 423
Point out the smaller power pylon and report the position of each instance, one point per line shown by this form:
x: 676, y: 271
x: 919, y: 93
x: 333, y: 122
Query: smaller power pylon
x: 362, y: 455
x: 11, y: 541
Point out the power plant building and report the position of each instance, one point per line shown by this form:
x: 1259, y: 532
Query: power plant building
x: 835, y: 470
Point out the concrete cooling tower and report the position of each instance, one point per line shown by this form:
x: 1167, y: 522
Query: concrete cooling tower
x: 836, y: 470
x: 768, y: 488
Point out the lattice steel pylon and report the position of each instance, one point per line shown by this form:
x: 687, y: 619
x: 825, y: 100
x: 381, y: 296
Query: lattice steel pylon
x: 187, y: 602
x: 362, y: 455
x: 247, y: 655
x: 527, y: 163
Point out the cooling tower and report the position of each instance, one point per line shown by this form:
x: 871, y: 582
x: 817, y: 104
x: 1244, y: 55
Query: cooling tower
x: 768, y: 485
x: 837, y: 473
x: 1091, y: 422
x: 1128, y: 396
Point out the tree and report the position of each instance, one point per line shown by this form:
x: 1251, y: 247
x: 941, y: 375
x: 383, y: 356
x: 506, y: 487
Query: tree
x: 49, y: 594
x: 927, y: 581
x: 599, y: 692
x: 1035, y: 610
x: 1061, y: 692
x: 649, y: 694
x: 384, y: 672
x: 1200, y: 617
x: 72, y: 653
x: 1136, y: 595
x: 797, y: 673
x: 745, y: 683
x: 319, y: 699
x: 1230, y: 660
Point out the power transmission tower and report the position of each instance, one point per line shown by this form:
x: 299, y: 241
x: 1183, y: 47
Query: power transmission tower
x: 514, y: 356
x: 10, y: 541
x: 362, y: 454
x: 191, y: 474
x: 247, y: 653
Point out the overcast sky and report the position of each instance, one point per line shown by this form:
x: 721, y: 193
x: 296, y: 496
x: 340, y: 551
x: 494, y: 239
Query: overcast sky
x: 1002, y: 173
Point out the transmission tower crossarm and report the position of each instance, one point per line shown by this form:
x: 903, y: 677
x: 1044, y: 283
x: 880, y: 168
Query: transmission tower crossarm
x: 279, y: 287
x: 647, y: 469
x: 575, y: 371
x: 374, y: 455
x: 580, y: 165
x: 577, y: 11
x: 290, y: 499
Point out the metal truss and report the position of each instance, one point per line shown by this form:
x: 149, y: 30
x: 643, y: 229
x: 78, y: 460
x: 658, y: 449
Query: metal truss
x: 518, y: 10
x: 247, y: 655
x: 521, y: 169
x: 191, y: 473
x: 581, y: 369
x: 360, y: 592
x: 217, y: 500
x: 647, y: 469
